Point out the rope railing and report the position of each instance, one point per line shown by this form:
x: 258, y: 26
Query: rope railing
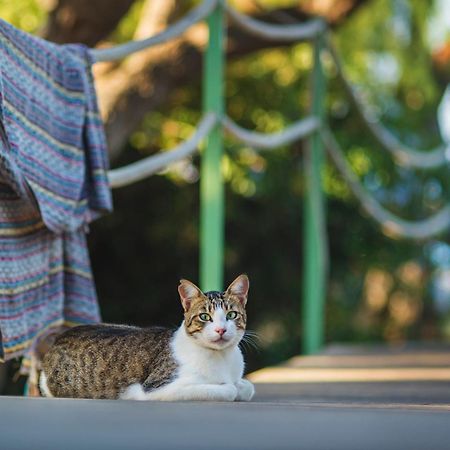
x: 121, y: 51
x: 404, y: 155
x: 295, y: 32
x: 391, y: 224
x: 290, y: 134
x: 148, y: 166
x: 299, y: 130
x: 214, y: 122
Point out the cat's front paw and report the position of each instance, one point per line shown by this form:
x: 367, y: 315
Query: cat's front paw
x: 228, y: 393
x: 245, y: 390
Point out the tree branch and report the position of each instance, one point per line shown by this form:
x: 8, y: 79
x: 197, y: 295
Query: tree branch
x: 145, y: 81
x: 85, y: 21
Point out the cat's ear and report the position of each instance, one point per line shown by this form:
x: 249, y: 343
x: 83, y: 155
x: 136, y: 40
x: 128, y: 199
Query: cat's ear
x: 239, y: 288
x: 188, y: 291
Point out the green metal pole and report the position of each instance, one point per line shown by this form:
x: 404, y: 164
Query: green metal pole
x: 211, y: 180
x: 314, y: 228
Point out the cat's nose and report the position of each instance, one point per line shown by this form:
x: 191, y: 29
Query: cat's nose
x: 220, y: 331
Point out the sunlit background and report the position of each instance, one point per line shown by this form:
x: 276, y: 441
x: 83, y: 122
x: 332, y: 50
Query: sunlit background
x: 397, y: 53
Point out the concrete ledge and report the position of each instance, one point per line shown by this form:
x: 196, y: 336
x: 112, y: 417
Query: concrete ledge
x: 362, y: 364
x: 339, y: 375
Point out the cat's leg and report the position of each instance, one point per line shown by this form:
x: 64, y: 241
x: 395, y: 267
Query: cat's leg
x: 245, y: 390
x: 43, y: 387
x: 183, y: 392
x: 195, y: 392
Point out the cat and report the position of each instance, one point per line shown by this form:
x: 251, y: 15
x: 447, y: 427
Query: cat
x: 201, y: 360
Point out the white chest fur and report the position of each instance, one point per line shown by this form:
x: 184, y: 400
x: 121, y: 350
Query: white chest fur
x: 198, y: 365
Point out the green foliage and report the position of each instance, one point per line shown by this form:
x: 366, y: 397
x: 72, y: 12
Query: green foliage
x: 266, y: 91
x: 27, y: 15
x: 151, y: 240
x: 125, y: 30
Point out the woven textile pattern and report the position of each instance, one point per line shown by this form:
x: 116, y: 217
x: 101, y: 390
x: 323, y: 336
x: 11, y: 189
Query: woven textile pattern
x: 53, y: 182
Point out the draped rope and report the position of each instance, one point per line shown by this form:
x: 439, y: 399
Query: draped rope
x: 148, y: 166
x: 292, y: 133
x: 297, y: 32
x: 390, y: 223
x: 424, y: 159
x: 175, y: 30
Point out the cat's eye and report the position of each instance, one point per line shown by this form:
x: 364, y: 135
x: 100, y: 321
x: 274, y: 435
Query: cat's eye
x: 204, y: 317
x: 231, y: 315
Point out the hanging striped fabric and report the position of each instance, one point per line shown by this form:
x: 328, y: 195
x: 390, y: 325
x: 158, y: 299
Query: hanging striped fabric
x: 53, y: 182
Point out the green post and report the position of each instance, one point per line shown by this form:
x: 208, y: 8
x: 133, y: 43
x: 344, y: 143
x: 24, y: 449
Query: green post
x: 314, y: 227
x: 211, y: 180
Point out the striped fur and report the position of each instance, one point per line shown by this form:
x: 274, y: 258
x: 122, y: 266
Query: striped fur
x: 119, y: 361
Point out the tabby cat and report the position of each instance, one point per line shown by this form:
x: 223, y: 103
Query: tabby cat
x: 201, y: 360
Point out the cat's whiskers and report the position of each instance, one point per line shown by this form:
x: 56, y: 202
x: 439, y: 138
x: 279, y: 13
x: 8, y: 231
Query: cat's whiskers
x: 252, y: 334
x: 248, y: 346
x: 250, y: 340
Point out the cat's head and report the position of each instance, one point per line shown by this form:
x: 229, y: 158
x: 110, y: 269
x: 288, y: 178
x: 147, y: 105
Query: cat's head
x: 214, y: 319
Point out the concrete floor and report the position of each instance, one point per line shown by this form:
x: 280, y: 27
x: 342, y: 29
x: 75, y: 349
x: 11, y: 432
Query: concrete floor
x: 410, y: 410
x: 56, y: 424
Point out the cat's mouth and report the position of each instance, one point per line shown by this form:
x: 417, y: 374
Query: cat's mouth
x: 219, y: 343
x: 221, y: 340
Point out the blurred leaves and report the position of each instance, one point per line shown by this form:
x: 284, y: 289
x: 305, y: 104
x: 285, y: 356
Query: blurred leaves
x: 151, y: 240
x: 27, y: 15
